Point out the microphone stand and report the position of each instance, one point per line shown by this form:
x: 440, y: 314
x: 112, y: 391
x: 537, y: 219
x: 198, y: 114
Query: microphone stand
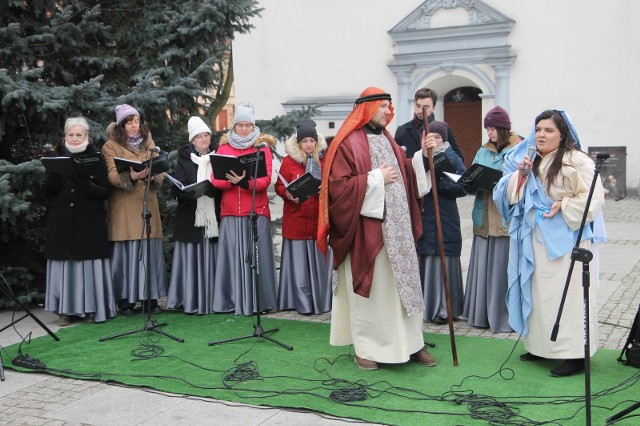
x: 253, y: 259
x: 150, y: 324
x: 9, y: 295
x: 585, y: 256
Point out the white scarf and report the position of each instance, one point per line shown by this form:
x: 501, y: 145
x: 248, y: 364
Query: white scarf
x: 205, y: 212
x: 78, y: 148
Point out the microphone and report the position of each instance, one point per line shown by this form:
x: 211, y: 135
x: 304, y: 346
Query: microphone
x: 154, y: 149
x: 262, y: 145
x: 531, y: 153
x: 603, y: 155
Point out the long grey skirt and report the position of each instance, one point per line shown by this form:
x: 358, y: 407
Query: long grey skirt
x: 305, y: 278
x: 233, y: 283
x: 484, y: 303
x: 192, y: 272
x: 129, y: 275
x: 80, y: 287
x: 435, y: 301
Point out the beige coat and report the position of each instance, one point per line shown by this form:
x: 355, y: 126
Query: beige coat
x: 492, y: 223
x: 127, y: 198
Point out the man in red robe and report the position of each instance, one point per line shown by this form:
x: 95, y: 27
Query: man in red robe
x: 370, y: 215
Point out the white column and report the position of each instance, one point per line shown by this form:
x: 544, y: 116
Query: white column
x: 503, y: 72
x: 404, y: 97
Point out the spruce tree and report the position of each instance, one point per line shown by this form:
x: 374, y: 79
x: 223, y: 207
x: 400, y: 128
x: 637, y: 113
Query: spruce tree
x: 74, y: 57
x: 62, y: 58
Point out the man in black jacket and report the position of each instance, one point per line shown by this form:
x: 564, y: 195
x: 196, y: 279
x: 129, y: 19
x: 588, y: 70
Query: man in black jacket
x: 409, y: 134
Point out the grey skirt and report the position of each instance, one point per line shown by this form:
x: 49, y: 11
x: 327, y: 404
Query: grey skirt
x: 484, y: 302
x: 80, y: 287
x: 192, y: 272
x: 130, y: 275
x: 233, y: 283
x: 305, y: 278
x: 435, y: 301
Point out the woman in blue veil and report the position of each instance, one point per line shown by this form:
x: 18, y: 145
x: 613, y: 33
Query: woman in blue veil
x: 543, y: 198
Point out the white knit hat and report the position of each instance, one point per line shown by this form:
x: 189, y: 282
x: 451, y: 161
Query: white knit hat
x: 243, y: 113
x: 196, y: 126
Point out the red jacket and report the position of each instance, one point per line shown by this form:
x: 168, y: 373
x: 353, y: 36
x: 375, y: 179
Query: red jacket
x: 236, y: 201
x: 299, y: 221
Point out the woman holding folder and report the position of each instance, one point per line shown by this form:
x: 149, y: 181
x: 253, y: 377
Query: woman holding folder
x: 131, y: 140
x: 196, y: 227
x: 484, y: 300
x: 431, y: 276
x: 77, y: 247
x: 305, y: 280
x: 234, y: 283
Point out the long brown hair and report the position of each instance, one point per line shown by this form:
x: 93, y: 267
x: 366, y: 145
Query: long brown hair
x: 567, y: 144
x: 503, y: 138
x: 120, y: 134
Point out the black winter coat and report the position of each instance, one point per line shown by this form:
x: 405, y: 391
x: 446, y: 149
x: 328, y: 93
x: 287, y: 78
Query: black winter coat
x: 448, y: 191
x: 409, y: 136
x: 76, y: 214
x: 187, y: 173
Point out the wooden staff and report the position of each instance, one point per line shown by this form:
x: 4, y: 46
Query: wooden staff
x: 443, y: 262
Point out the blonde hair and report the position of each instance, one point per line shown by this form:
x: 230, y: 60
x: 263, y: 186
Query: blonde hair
x: 76, y: 121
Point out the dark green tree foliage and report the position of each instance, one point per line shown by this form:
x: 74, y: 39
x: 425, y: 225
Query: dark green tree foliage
x: 65, y: 58
x: 81, y: 57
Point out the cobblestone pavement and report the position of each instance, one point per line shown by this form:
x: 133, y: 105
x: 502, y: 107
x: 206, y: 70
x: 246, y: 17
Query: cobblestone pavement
x: 35, y: 399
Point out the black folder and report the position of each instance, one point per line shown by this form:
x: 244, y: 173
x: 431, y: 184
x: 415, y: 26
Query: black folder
x: 303, y: 188
x: 195, y: 190
x: 478, y: 176
x: 160, y: 164
x: 441, y: 164
x: 224, y: 164
x: 84, y: 165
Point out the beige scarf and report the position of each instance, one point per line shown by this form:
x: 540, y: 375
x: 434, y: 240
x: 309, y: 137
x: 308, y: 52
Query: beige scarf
x: 205, y: 212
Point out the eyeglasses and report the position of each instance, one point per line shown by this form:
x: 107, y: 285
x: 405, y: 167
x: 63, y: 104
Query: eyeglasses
x: 244, y: 126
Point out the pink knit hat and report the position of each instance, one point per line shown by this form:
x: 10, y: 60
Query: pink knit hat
x: 123, y: 111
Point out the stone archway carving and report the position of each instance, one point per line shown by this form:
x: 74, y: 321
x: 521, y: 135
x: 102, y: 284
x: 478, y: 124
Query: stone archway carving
x: 423, y: 51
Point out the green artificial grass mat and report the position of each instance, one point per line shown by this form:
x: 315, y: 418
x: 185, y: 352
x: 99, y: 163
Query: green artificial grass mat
x: 485, y: 388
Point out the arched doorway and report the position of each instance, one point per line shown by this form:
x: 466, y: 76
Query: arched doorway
x: 463, y: 113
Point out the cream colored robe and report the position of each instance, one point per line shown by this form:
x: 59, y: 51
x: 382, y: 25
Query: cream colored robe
x: 550, y: 275
x: 378, y: 326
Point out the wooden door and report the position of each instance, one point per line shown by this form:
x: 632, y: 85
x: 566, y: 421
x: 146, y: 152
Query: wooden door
x: 463, y: 113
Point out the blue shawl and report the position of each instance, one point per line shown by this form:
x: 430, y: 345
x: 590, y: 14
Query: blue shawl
x: 557, y: 237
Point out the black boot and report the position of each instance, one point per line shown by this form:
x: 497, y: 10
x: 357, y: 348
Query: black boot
x: 568, y: 368
x: 125, y: 307
x: 530, y: 357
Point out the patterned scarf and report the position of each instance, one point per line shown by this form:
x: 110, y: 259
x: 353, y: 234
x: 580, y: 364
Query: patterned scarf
x: 396, y: 230
x: 135, y: 140
x: 238, y: 142
x: 313, y: 167
x: 205, y: 212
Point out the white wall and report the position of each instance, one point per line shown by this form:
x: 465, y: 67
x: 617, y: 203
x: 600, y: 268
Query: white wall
x: 579, y: 55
